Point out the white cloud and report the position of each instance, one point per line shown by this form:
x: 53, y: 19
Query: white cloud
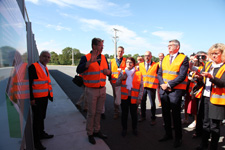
x: 127, y: 38
x: 58, y: 27
x: 159, y: 27
x: 33, y: 1
x: 50, y: 45
x: 145, y: 31
x: 103, y: 6
x: 168, y: 35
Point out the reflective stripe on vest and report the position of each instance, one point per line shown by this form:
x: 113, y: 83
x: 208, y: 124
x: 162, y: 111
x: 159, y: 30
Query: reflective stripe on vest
x: 93, y: 76
x: 207, y: 66
x: 114, y: 69
x: 171, y: 71
x: 218, y: 94
x: 134, y: 90
x: 150, y: 79
x: 41, y: 86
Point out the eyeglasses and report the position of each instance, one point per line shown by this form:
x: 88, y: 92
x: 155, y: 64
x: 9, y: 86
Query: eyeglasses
x: 171, y: 45
x: 129, y: 62
x: 215, y: 53
x: 147, y: 55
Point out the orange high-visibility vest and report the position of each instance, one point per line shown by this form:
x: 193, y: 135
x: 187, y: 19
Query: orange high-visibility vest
x: 41, y: 86
x: 114, y: 69
x: 149, y: 78
x: 171, y: 71
x: 200, y: 91
x: 134, y: 90
x: 159, y: 64
x: 93, y: 76
x: 20, y: 86
x: 218, y: 94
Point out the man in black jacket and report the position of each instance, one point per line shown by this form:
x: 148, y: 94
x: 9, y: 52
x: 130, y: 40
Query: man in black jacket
x: 40, y: 92
x: 172, y: 77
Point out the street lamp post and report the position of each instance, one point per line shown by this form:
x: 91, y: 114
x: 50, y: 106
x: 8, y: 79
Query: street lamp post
x: 72, y: 58
x: 115, y: 41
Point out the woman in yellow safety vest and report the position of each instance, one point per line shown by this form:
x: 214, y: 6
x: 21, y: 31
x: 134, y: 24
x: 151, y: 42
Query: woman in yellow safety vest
x: 214, y: 96
x: 131, y: 94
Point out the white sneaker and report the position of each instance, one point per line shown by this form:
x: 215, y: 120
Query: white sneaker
x: 223, y: 122
x: 192, y: 125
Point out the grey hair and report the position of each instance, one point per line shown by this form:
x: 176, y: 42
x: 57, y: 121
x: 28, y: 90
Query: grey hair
x: 175, y: 41
x: 45, y: 51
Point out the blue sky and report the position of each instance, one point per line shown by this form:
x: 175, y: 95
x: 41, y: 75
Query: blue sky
x: 144, y: 25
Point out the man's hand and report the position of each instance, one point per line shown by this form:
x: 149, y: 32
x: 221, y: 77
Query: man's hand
x: 164, y: 86
x: 207, y: 75
x: 94, y: 56
x: 138, y: 101
x: 106, y: 72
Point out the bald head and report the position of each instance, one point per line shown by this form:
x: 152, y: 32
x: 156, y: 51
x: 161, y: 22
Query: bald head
x: 148, y: 56
x: 161, y: 56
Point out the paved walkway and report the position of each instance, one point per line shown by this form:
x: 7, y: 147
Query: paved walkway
x: 67, y: 124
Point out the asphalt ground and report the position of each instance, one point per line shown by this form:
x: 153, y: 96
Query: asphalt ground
x: 148, y: 136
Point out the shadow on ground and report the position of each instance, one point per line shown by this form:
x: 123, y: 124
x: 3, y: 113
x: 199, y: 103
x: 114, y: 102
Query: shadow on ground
x: 148, y: 135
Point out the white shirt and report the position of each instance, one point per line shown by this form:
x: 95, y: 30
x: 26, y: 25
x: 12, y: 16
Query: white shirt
x: 174, y: 56
x: 208, y: 84
x: 43, y: 68
x: 148, y: 66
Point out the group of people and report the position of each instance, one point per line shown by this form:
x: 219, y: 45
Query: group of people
x: 132, y: 82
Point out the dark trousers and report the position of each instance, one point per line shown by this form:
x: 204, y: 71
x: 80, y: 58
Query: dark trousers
x: 200, y: 116
x: 210, y: 126
x: 172, y: 102
x: 151, y: 94
x: 125, y: 106
x: 39, y: 114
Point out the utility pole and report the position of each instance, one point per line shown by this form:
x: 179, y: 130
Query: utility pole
x: 115, y: 40
x: 72, y: 58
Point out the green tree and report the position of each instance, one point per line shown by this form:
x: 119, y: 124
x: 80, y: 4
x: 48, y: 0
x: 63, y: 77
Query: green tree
x: 66, y: 57
x: 54, y: 58
x: 155, y: 59
x: 111, y: 56
x: 77, y: 56
x: 135, y: 56
x: 128, y: 55
x: 106, y: 56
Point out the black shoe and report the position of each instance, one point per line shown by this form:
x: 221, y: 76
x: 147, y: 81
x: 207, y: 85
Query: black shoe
x: 39, y: 146
x: 177, y: 143
x: 103, y: 116
x: 202, y: 147
x: 100, y: 135
x: 195, y: 135
x: 124, y: 133
x: 46, y: 136
x: 153, y: 122
x: 91, y: 139
x: 142, y: 119
x: 166, y: 138
x: 135, y: 132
